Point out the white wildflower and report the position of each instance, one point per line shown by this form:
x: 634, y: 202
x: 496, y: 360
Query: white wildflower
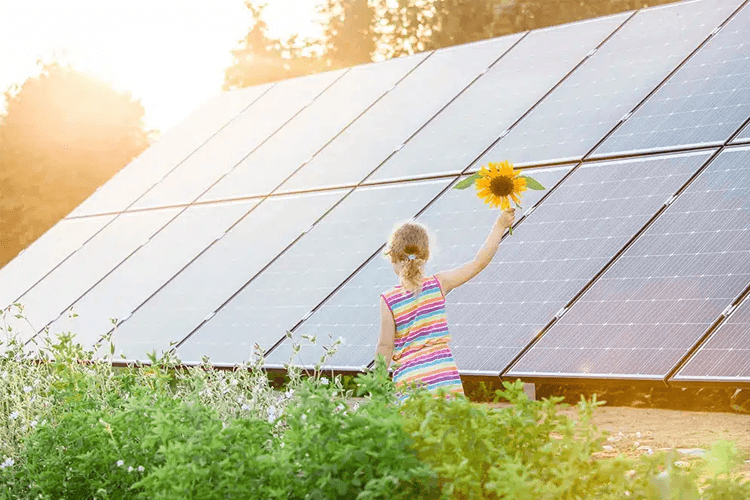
x: 120, y: 463
x: 130, y: 468
x: 8, y: 463
x: 234, y: 381
x: 304, y: 416
x: 271, y: 414
x: 289, y: 393
x: 5, y: 374
x: 140, y: 468
x: 33, y: 423
x: 13, y: 415
x: 340, y: 407
x: 27, y: 389
x: 245, y: 407
x: 323, y: 380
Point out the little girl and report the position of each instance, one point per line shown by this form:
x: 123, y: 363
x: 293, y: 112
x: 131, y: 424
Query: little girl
x: 413, y: 326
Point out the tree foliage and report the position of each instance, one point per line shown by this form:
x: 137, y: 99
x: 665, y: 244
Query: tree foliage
x: 359, y: 31
x: 64, y: 134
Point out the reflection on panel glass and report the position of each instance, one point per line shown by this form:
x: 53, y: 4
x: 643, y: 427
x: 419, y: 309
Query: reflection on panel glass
x: 704, y: 103
x: 219, y: 272
x: 398, y: 115
x: 52, y: 296
x: 657, y: 300
x: 238, y: 139
x: 459, y: 223
x: 167, y: 152
x: 309, y: 131
x: 725, y: 357
x: 144, y: 272
x: 310, y: 270
x: 44, y: 254
x: 578, y: 114
x: 470, y: 124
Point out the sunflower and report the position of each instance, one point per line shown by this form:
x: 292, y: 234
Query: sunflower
x: 498, y: 183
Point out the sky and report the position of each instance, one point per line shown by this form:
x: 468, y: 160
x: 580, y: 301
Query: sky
x: 171, y: 54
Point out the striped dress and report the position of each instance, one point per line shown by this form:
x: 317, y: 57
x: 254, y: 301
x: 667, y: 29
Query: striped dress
x: 421, y: 353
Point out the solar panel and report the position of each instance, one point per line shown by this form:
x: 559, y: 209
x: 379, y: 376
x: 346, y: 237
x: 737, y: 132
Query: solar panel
x: 398, y: 115
x: 663, y: 293
x: 233, y: 143
x: 207, y: 282
x: 704, y: 103
x: 459, y: 223
x: 44, y: 254
x: 303, y: 276
x: 496, y: 100
x: 62, y: 287
x: 725, y: 356
x: 274, y: 161
x: 149, y: 268
x: 169, y: 151
x: 579, y: 113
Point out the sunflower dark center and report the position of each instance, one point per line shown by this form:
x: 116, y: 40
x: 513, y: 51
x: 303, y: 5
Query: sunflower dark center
x: 501, y: 186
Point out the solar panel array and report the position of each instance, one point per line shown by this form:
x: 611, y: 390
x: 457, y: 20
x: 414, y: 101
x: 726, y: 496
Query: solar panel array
x: 266, y: 210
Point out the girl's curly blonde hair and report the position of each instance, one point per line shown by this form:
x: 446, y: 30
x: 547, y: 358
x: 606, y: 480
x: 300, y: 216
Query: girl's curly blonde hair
x: 410, y: 244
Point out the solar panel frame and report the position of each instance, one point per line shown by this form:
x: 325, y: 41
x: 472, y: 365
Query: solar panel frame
x: 169, y: 151
x: 699, y: 304
x: 200, y: 288
x: 724, y: 357
x: 556, y: 131
x: 148, y: 269
x: 699, y: 105
x: 225, y: 150
x: 343, y: 103
x: 743, y: 136
x: 497, y: 100
x: 309, y: 271
x: 352, y: 312
x: 398, y: 116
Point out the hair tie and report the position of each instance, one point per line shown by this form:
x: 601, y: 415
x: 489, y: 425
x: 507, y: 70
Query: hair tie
x: 411, y: 256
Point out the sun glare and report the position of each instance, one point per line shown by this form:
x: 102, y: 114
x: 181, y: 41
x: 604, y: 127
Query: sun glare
x: 170, y: 54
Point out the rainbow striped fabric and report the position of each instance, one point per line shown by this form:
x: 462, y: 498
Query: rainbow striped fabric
x: 421, y: 354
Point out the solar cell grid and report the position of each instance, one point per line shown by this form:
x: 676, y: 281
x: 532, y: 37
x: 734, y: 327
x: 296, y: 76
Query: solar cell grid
x: 725, y: 356
x: 663, y: 293
x: 233, y: 143
x: 45, y: 253
x: 274, y: 160
x: 702, y: 104
x: 304, y: 275
x: 459, y: 223
x: 168, y: 151
x: 207, y: 282
x: 579, y: 113
x: 113, y: 244
x: 496, y: 100
x: 398, y: 115
x: 150, y: 267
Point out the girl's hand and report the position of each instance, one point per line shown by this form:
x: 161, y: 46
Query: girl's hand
x: 506, y: 218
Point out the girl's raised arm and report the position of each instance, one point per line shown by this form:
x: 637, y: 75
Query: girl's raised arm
x: 460, y: 275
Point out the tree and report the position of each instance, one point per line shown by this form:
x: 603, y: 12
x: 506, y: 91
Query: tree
x: 410, y: 26
x: 260, y: 59
x: 350, y: 36
x: 63, y: 135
